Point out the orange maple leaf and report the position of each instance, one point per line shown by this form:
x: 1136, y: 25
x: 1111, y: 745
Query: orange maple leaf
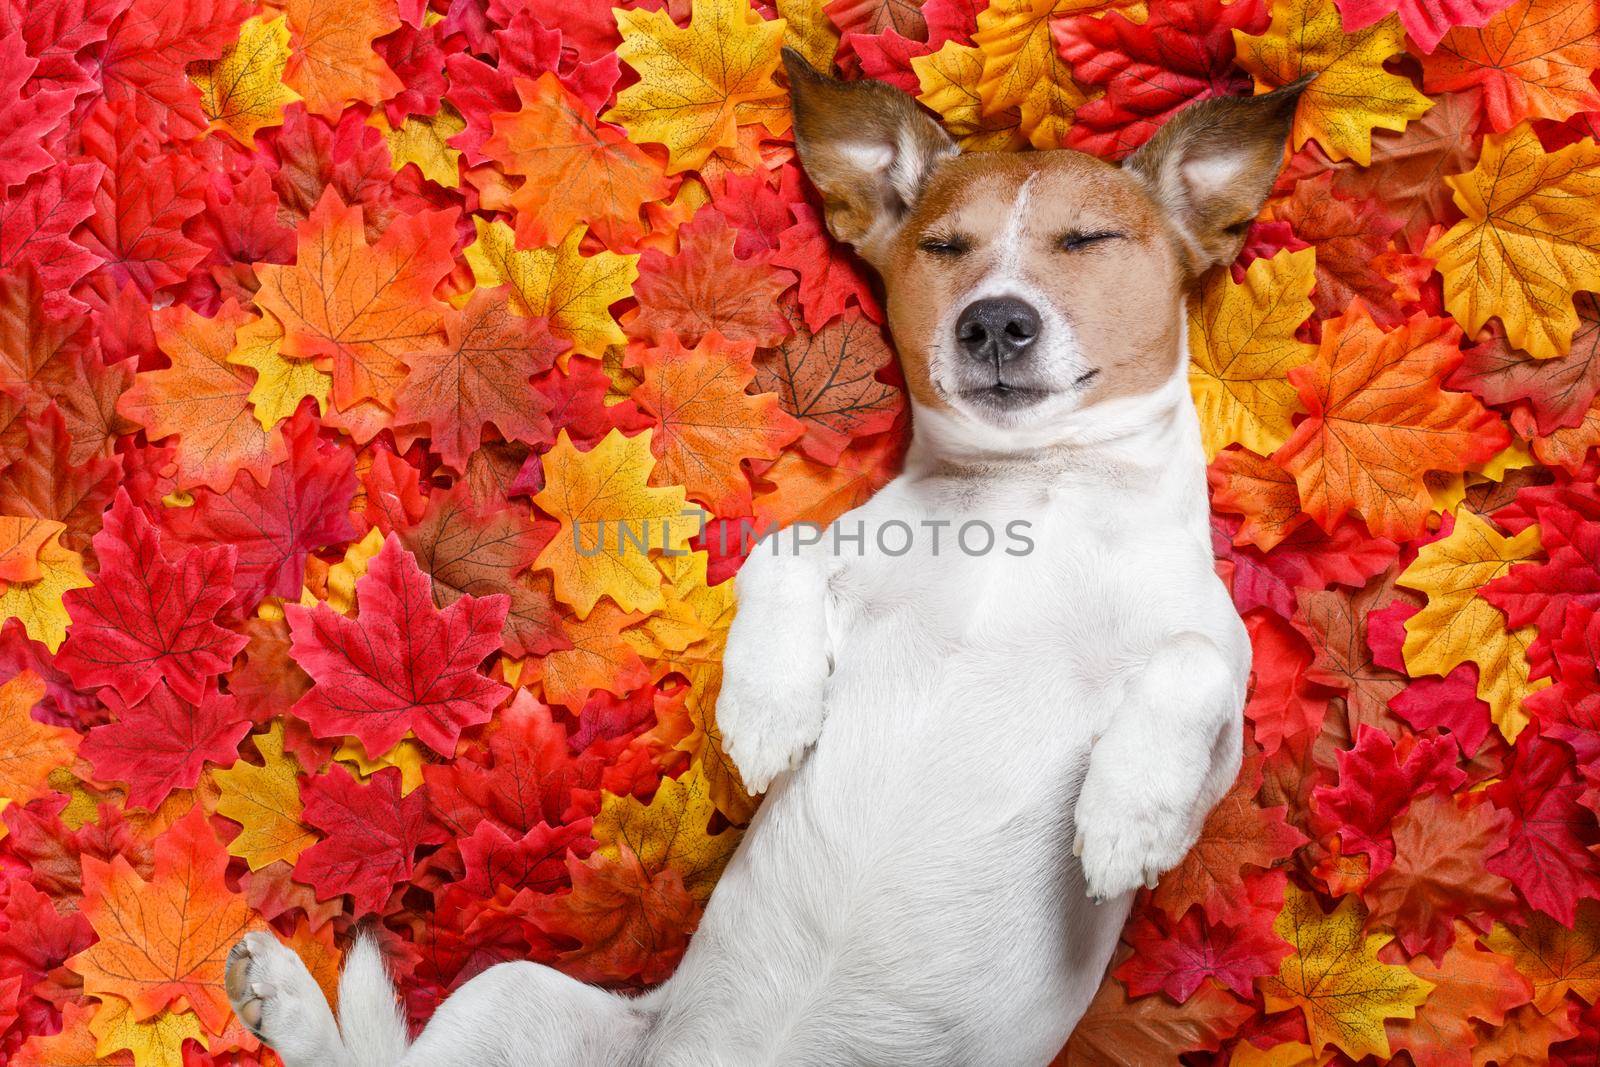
x: 331, y: 59
x: 628, y: 923
x: 575, y: 168
x: 1244, y: 483
x: 803, y: 490
x: 29, y: 750
x: 362, y: 309
x: 166, y: 938
x: 706, y: 424
x: 1468, y: 983
x: 1555, y: 959
x: 1379, y: 421
x: 481, y: 375
x: 203, y: 399
x: 1238, y: 833
x: 1119, y: 1029
x: 600, y: 658
x: 1533, y: 60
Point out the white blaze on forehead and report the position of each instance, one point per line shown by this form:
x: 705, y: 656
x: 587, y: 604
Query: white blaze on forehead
x: 1009, y: 243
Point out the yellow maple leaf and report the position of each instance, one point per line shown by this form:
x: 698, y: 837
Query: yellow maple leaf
x: 809, y: 31
x: 692, y: 609
x: 698, y: 84
x: 407, y: 754
x: 423, y: 140
x: 264, y: 799
x: 1457, y: 625
x: 1352, y: 94
x: 949, y: 81
x: 281, y: 382
x: 1334, y: 976
x: 1241, y: 346
x: 670, y: 831
x: 612, y: 523
x: 1023, y: 70
x: 342, y: 576
x: 572, y: 291
x: 242, y: 90
x: 154, y: 1042
x: 1530, y: 241
x: 29, y: 749
x: 332, y: 62
x: 689, y: 724
x: 38, y: 602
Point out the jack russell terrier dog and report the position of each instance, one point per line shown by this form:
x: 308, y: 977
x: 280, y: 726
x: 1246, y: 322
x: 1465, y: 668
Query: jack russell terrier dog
x: 972, y: 759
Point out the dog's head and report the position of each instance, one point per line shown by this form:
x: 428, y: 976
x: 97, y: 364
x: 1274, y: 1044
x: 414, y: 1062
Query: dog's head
x: 1030, y: 292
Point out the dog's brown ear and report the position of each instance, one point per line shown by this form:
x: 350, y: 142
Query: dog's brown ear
x: 866, y: 146
x: 1213, y: 164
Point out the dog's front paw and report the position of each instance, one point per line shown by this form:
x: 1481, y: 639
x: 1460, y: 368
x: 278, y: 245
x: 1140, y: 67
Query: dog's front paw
x: 766, y: 728
x: 1127, y: 836
x: 276, y: 999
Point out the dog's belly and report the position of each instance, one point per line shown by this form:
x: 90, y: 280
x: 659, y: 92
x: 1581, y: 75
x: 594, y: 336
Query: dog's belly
x: 909, y: 893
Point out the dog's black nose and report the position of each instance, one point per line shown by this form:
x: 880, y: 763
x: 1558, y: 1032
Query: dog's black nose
x: 997, y: 329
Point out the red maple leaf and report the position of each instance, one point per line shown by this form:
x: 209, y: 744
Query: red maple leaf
x: 1451, y: 702
x: 402, y: 664
x: 1183, y: 53
x: 467, y: 552
x: 149, y: 616
x: 536, y: 861
x: 886, y: 57
x: 526, y: 49
x: 1376, y: 783
x: 27, y: 123
x: 372, y: 834
x: 830, y: 275
x: 1176, y: 957
x: 1425, y: 21
x: 1283, y: 703
x: 42, y: 481
x: 163, y: 742
x: 754, y: 207
x: 524, y: 774
x: 1307, y: 558
x: 1548, y: 859
x: 1559, y: 390
x: 304, y: 506
x: 352, y: 159
x: 55, y: 32
x: 1350, y: 237
x: 704, y: 288
x: 579, y: 404
x: 36, y: 221
x: 1440, y: 845
x: 142, y: 62
x: 147, y: 192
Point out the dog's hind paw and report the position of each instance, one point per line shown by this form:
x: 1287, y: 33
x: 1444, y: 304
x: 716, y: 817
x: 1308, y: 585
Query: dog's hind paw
x: 277, y: 1000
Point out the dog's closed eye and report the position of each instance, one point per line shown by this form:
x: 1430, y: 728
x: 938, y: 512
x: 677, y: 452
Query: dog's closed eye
x: 945, y: 244
x: 1077, y: 240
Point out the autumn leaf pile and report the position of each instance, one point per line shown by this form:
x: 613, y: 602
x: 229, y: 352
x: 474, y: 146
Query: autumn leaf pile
x: 333, y: 335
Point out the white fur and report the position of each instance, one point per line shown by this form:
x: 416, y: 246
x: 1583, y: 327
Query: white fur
x: 941, y: 735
